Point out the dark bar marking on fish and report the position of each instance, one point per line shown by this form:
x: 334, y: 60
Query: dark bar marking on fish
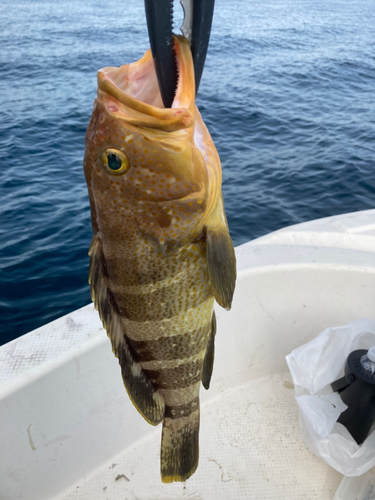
x: 142, y: 392
x: 179, y: 451
x: 139, y: 388
x: 178, y: 377
x: 135, y: 307
x: 182, y: 410
x: 208, y: 363
x: 174, y: 347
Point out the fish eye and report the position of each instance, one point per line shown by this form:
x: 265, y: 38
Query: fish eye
x: 114, y: 161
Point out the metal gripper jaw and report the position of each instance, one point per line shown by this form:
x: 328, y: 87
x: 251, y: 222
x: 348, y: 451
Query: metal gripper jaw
x: 196, y: 28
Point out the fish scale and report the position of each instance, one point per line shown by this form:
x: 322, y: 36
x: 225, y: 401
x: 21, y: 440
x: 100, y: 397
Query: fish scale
x: 161, y: 251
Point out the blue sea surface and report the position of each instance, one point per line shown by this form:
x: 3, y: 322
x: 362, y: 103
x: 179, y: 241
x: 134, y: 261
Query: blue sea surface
x: 288, y: 94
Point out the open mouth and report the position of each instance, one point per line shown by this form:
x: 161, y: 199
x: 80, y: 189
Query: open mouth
x: 133, y: 91
x: 137, y: 80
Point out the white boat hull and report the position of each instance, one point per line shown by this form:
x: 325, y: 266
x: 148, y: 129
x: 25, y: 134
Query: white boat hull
x: 69, y: 431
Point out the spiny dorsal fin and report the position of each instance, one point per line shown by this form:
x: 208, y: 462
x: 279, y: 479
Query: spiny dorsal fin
x: 221, y: 259
x: 142, y: 393
x: 208, y: 363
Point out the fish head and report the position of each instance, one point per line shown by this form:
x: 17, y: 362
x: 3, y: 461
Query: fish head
x: 149, y: 169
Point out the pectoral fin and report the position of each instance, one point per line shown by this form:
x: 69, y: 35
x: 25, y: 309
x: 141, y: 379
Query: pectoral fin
x: 221, y: 259
x: 208, y: 363
x: 142, y: 393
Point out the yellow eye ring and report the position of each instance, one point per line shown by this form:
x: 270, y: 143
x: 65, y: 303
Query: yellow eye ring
x: 114, y: 161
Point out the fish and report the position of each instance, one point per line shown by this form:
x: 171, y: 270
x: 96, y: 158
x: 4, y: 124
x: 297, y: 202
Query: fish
x: 161, y: 252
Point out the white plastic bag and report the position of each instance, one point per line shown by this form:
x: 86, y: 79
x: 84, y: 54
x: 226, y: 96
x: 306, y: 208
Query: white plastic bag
x: 314, y: 366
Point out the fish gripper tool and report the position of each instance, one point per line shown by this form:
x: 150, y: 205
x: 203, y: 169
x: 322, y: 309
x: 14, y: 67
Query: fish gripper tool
x: 196, y: 28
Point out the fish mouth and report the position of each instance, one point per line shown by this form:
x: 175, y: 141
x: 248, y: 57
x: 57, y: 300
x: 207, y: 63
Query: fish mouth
x: 132, y: 92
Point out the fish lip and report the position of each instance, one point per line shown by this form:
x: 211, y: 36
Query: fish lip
x: 131, y: 91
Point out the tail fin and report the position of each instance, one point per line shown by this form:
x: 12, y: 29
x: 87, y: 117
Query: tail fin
x: 179, y: 444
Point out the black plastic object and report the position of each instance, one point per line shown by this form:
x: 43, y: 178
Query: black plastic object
x: 203, y: 11
x: 357, y: 390
x: 159, y: 15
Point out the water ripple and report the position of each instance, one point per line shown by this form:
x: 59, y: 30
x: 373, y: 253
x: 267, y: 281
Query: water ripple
x: 287, y: 95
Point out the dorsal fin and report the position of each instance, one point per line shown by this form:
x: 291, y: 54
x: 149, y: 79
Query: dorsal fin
x: 142, y: 393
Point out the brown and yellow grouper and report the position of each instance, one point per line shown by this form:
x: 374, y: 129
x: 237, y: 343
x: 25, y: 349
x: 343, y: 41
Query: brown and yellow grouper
x: 161, y: 251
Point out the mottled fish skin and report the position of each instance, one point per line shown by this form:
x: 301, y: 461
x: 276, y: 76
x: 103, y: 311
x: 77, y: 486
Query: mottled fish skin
x: 161, y: 250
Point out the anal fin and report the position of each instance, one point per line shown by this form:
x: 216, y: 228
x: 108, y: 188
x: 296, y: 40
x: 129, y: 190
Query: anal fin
x: 208, y: 363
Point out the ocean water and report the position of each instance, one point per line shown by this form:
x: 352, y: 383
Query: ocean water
x: 288, y: 94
